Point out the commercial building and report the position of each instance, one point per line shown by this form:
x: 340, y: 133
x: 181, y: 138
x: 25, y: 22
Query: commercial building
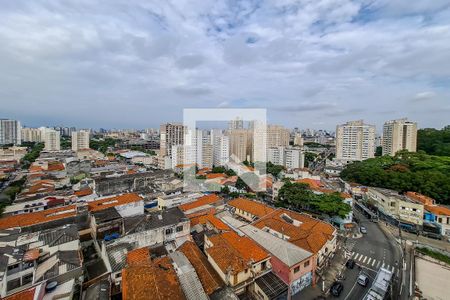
x: 80, y: 140
x: 10, y: 132
x: 399, y: 135
x: 355, y: 141
x: 396, y: 206
x: 31, y: 135
x: 171, y: 134
x: 51, y: 139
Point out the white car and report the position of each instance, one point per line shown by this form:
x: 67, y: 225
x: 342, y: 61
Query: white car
x: 363, y: 229
x: 362, y: 280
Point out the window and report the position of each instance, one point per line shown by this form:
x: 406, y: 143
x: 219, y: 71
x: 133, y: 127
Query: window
x: 296, y: 269
x: 27, y: 279
x: 264, y: 265
x: 306, y: 264
x: 179, y: 228
x: 169, y: 231
x: 118, y: 275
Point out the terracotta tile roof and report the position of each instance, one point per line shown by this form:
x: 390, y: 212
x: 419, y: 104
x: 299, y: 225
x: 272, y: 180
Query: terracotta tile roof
x: 204, y: 171
x: 210, y: 280
x: 438, y: 210
x: 253, y: 207
x: 34, y: 168
x: 113, y: 201
x: 216, y: 175
x: 39, y: 217
x: 231, y: 250
x: 311, y: 234
x: 83, y: 192
x: 23, y: 295
x: 421, y: 198
x: 209, y: 218
x: 204, y: 200
x: 138, y: 256
x: 55, y: 166
x: 345, y: 195
x: 157, y: 280
x: 313, y: 184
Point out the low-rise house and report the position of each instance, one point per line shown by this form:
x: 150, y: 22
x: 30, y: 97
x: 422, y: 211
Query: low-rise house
x: 294, y: 265
x: 310, y: 234
x: 28, y: 259
x: 248, y: 209
x: 209, y: 278
x: 169, y: 228
x: 127, y: 205
x: 399, y: 207
x: 203, y: 205
x: 237, y: 259
x: 441, y: 216
x: 46, y: 218
x: 173, y: 200
x: 146, y: 278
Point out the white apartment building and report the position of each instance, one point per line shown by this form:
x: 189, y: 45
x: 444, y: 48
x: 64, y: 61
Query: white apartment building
x: 237, y: 123
x: 80, y: 140
x: 221, y: 149
x: 355, y: 141
x: 10, y: 132
x: 31, y: 135
x: 289, y: 157
x: 399, y: 135
x: 51, y: 139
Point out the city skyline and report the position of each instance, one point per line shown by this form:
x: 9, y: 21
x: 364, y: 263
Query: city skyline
x: 312, y: 65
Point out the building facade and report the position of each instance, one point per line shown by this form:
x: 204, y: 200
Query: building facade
x: 51, y: 139
x: 399, y: 135
x: 31, y: 135
x: 80, y: 140
x: 171, y: 134
x: 355, y: 141
x: 10, y: 132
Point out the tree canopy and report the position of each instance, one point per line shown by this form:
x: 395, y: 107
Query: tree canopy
x: 299, y: 196
x: 417, y: 172
x: 434, y: 141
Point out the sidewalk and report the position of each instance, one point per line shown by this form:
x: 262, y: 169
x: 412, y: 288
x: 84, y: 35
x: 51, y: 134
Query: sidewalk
x: 416, y: 238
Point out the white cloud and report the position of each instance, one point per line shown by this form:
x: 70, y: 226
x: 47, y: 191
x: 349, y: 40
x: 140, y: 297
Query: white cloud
x: 328, y: 59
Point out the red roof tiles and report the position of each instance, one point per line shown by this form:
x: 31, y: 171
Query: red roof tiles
x: 205, y: 200
x: 253, y: 207
x: 113, y: 201
x: 39, y: 217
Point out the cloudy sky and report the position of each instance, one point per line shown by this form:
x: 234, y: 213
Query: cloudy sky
x: 311, y: 63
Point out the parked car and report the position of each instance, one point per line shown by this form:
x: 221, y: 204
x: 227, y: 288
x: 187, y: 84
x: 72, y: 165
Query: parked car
x: 363, y: 229
x: 350, y: 264
x: 363, y: 280
x: 337, y: 288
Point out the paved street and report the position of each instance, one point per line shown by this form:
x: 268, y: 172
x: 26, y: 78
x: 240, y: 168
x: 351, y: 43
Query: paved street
x: 371, y: 252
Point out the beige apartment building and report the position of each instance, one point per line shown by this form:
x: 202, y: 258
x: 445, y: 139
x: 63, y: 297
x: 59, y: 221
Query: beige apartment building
x: 31, y: 135
x: 355, y: 141
x: 80, y: 140
x: 240, y: 143
x: 277, y: 136
x: 51, y: 139
x: 399, y: 135
x: 171, y: 134
x: 397, y: 206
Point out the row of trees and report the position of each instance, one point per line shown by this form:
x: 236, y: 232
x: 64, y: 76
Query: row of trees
x: 417, y: 172
x: 299, y: 196
x: 32, y: 155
